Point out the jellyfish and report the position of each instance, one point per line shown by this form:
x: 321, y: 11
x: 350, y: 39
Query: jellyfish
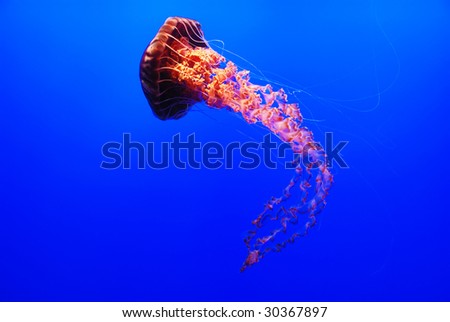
x: 179, y: 69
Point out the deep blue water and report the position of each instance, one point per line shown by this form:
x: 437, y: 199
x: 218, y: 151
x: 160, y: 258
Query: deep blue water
x: 375, y: 73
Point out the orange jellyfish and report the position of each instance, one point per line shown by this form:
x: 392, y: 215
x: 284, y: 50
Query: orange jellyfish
x: 179, y: 69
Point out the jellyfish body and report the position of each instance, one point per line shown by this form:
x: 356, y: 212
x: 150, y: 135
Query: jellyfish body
x: 179, y: 69
x: 168, y: 98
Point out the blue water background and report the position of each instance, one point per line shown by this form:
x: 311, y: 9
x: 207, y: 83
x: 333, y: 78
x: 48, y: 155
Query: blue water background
x: 375, y: 73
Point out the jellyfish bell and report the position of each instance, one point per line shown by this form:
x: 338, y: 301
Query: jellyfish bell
x: 168, y: 98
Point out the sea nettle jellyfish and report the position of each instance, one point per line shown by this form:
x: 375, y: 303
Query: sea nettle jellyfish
x: 179, y: 69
